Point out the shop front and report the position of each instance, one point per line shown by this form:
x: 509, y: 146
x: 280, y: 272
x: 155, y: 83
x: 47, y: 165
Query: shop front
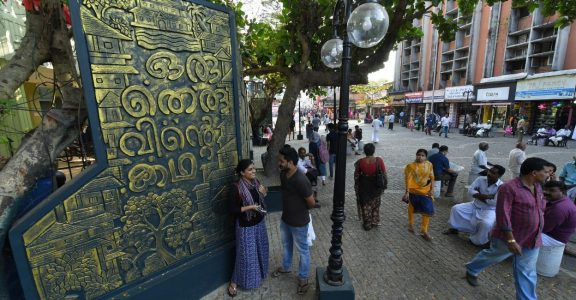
x: 434, y: 101
x: 548, y: 99
x: 415, y: 101
x: 460, y: 99
x: 494, y: 101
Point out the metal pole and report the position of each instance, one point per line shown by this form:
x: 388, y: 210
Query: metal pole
x: 334, y: 274
x: 299, y: 136
x: 334, y: 110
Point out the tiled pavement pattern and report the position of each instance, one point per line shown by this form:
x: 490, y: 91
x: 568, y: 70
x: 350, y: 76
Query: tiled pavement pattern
x: 391, y: 263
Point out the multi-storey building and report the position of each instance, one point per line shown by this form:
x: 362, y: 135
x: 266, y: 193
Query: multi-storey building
x: 503, y: 62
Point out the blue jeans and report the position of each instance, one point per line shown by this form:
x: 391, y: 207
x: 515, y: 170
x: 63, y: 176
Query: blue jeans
x: 331, y: 163
x: 524, y: 266
x: 445, y: 129
x: 295, y: 235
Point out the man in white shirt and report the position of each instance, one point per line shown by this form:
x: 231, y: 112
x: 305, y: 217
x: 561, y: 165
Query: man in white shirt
x: 376, y: 124
x: 445, y: 124
x: 478, y: 217
x: 561, y: 134
x: 479, y: 162
x: 516, y: 158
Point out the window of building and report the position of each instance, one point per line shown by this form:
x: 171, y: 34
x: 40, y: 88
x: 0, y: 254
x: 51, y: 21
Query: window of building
x: 522, y: 12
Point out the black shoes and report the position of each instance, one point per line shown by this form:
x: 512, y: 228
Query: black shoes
x: 450, y: 231
x: 472, y: 280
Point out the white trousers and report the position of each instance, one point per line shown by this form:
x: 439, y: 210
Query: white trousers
x: 477, y: 222
x: 375, y: 134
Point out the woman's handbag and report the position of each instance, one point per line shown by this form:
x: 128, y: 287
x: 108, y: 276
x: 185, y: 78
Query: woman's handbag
x: 381, y: 179
x: 406, y: 198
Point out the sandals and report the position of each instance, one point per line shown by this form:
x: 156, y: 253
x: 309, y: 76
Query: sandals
x: 302, y: 286
x: 279, y: 271
x: 411, y: 228
x: 232, y: 290
x: 426, y: 237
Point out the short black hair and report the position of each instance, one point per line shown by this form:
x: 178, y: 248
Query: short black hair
x: 301, y: 148
x: 422, y: 151
x: 289, y: 154
x: 243, y: 165
x: 369, y: 149
x: 435, y: 145
x: 501, y: 170
x: 556, y: 184
x: 551, y: 165
x: 443, y: 148
x: 532, y: 164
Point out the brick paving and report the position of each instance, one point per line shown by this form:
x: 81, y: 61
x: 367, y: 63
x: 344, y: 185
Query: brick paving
x: 389, y: 262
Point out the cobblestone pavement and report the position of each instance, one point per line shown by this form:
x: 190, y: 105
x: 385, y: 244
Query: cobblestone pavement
x: 389, y: 262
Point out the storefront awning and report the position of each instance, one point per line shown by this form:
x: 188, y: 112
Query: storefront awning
x: 492, y: 103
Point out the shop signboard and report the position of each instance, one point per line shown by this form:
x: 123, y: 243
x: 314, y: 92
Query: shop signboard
x: 493, y: 94
x: 412, y: 98
x: 546, y: 88
x: 438, y: 96
x: 458, y: 93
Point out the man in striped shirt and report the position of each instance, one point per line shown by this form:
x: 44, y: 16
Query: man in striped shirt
x: 518, y: 228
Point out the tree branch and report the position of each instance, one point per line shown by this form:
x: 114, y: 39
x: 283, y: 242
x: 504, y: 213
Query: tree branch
x: 268, y: 70
x: 329, y: 78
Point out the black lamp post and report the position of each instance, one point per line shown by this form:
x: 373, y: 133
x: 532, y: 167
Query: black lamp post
x: 467, y: 93
x: 365, y: 27
x: 334, y: 110
x: 299, y: 136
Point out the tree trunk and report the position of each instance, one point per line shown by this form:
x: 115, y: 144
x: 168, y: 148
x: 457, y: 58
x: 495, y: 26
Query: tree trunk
x: 285, y: 111
x: 258, y: 113
x: 47, y: 38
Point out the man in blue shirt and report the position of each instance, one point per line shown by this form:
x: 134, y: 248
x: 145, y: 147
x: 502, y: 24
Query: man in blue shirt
x: 442, y: 172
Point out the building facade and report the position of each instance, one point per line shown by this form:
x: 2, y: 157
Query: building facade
x: 503, y: 62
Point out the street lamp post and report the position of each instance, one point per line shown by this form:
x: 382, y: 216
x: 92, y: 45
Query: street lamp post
x: 299, y: 136
x: 365, y: 28
x: 467, y: 93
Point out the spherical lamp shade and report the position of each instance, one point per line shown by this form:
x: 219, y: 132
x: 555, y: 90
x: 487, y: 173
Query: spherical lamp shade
x: 331, y: 53
x: 368, y: 25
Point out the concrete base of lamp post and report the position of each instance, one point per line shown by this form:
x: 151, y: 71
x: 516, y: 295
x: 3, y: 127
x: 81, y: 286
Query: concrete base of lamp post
x: 299, y: 137
x: 330, y: 292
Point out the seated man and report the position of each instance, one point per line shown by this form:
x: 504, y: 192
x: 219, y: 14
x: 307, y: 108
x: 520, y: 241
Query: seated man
x: 559, y: 215
x: 484, y: 128
x: 478, y: 217
x: 442, y: 172
x: 543, y: 134
x: 568, y: 177
x: 561, y: 134
x: 306, y: 165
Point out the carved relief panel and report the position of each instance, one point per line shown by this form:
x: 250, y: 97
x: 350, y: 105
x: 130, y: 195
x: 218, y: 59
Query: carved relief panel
x: 161, y: 85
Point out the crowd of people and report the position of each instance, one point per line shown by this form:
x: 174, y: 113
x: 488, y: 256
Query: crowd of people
x: 511, y: 218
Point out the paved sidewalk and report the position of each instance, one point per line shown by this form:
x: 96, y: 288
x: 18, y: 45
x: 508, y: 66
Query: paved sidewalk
x: 391, y: 263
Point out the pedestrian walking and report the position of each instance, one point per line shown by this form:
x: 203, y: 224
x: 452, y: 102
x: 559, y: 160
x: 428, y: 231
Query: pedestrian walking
x: 297, y: 198
x: 391, y: 121
x: 291, y: 128
x: 332, y: 141
x: 418, y: 178
x: 314, y: 149
x: 445, y: 121
x: 249, y: 210
x: 316, y: 122
x: 518, y: 229
x: 376, y: 124
x: 516, y: 158
x: 521, y: 128
x: 368, y: 192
